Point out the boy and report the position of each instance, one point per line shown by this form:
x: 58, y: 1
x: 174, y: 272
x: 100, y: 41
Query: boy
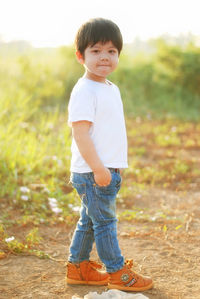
x: 99, y: 150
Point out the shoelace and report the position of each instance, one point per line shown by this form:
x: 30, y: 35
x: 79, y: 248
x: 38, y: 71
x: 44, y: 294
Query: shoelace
x: 94, y: 264
x: 129, y: 265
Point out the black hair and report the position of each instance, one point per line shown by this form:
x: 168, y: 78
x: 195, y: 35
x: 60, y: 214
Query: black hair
x: 98, y: 30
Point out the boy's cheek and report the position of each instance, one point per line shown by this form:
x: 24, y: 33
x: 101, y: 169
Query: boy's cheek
x: 116, y: 60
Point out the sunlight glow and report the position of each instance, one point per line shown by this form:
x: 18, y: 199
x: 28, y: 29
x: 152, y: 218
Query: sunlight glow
x: 55, y: 22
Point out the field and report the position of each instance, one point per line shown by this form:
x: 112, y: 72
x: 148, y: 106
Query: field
x: 158, y: 204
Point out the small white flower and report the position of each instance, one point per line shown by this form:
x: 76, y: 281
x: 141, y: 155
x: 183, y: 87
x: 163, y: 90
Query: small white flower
x: 174, y: 129
x: 52, y: 200
x: 56, y: 210
x: 59, y: 161
x: 54, y: 205
x: 167, y: 137
x: 74, y: 208
x: 24, y: 189
x: 9, y: 239
x: 24, y: 197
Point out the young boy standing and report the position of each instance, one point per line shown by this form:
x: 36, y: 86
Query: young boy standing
x: 99, y: 151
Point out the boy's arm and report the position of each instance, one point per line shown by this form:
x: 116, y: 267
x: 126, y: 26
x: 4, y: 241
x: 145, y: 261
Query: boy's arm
x: 80, y: 131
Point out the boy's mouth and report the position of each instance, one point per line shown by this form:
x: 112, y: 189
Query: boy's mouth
x: 104, y: 65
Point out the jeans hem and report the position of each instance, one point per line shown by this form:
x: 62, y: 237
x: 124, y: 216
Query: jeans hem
x: 77, y: 262
x: 114, y: 270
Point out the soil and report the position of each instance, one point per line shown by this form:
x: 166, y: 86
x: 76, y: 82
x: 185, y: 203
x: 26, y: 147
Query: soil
x: 159, y: 228
x: 164, y: 246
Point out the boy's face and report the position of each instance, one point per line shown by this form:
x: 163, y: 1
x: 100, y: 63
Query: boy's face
x: 99, y: 60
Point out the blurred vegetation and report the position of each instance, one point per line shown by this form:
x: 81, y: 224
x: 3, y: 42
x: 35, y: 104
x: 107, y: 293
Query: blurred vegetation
x: 35, y: 86
x: 163, y: 80
x: 163, y: 84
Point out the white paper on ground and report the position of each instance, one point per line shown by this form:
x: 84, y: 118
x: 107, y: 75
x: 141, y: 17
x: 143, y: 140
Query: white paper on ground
x: 112, y: 294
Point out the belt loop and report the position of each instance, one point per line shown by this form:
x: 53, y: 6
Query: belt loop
x: 116, y: 170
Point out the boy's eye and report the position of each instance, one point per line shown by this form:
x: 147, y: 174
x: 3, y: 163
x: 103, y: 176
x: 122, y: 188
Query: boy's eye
x: 112, y: 51
x: 95, y: 51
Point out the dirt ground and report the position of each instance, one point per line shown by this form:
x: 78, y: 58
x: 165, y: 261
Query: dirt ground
x: 164, y: 247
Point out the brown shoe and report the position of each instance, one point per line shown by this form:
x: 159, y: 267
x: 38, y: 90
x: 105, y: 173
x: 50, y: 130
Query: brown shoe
x: 127, y: 280
x: 86, y: 273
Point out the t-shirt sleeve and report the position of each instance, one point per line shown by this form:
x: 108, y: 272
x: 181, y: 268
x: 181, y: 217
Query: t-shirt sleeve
x: 81, y: 106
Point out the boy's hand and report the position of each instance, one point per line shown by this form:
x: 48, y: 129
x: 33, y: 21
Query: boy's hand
x: 102, y: 177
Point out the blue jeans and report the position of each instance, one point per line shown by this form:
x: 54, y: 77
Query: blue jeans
x: 97, y: 221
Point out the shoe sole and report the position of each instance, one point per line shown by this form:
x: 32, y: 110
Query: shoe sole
x: 130, y: 289
x: 83, y: 282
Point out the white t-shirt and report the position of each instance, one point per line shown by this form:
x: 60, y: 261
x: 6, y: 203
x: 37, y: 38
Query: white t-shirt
x: 100, y: 104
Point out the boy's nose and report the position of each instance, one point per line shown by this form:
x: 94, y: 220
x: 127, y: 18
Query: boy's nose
x: 104, y: 57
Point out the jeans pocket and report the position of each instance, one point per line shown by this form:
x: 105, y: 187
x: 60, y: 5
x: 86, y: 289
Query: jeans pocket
x: 105, y: 200
x: 104, y: 187
x: 112, y: 188
x: 118, y: 182
x: 81, y: 190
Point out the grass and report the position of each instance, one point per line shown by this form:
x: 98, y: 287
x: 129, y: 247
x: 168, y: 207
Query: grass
x: 34, y: 167
x: 35, y: 145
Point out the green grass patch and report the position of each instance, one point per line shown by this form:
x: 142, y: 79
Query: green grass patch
x: 35, y: 139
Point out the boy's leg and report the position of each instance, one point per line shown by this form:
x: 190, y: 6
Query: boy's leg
x: 100, y: 202
x: 102, y: 211
x: 83, y: 239
x: 98, y: 212
x: 80, y: 270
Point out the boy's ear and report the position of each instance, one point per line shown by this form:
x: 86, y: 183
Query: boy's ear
x: 79, y: 57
